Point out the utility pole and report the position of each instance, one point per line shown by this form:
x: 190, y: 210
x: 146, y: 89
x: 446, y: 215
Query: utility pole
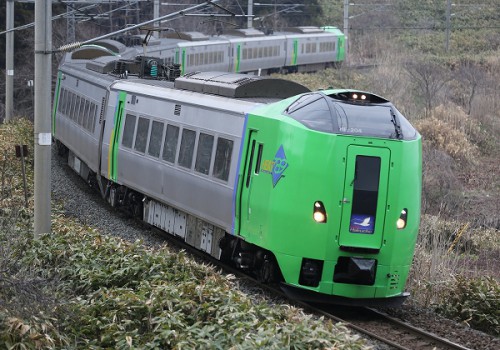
x: 9, y: 61
x: 156, y: 14
x: 346, y: 31
x: 70, y: 25
x: 448, y: 16
x: 250, y: 14
x: 275, y: 16
x: 43, y: 137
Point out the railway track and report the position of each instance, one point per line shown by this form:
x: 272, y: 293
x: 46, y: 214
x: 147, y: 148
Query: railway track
x: 366, y: 321
x: 388, y: 330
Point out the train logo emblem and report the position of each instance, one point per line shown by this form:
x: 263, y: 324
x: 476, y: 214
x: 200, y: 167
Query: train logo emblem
x: 277, y: 167
x: 362, y: 224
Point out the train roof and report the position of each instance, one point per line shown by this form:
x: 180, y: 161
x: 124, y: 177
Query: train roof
x: 239, y: 85
x: 165, y: 90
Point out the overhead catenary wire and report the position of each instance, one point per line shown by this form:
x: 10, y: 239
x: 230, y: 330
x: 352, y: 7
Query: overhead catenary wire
x: 136, y: 26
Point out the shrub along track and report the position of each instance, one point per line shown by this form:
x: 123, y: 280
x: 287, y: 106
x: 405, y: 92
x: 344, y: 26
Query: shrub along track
x: 88, y: 207
x: 388, y: 331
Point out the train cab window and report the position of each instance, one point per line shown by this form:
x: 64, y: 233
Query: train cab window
x: 259, y: 158
x: 155, y: 139
x: 187, y: 148
x: 365, y: 194
x: 128, y: 130
x: 141, y: 136
x: 313, y: 111
x: 170, y: 147
x: 222, y: 162
x: 204, y: 153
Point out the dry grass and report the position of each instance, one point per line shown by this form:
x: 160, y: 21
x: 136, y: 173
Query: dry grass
x: 447, y: 249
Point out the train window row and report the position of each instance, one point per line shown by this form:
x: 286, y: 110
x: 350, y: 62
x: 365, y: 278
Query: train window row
x: 79, y: 109
x: 313, y: 47
x: 309, y: 48
x: 202, y: 58
x: 260, y: 52
x: 327, y: 46
x: 168, y: 137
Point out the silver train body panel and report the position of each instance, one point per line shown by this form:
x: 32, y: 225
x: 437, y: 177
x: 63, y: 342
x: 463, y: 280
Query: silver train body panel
x: 182, y: 187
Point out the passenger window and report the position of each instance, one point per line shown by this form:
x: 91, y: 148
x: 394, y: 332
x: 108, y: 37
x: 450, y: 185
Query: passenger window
x: 128, y: 130
x: 222, y: 163
x: 92, y: 117
x: 74, y: 106
x: 155, y: 139
x: 141, y: 135
x: 170, y: 148
x: 64, y: 101
x: 67, y: 110
x: 86, y: 115
x: 82, y: 112
x: 61, y: 100
x: 187, y: 148
x: 93, y: 113
x: 204, y: 153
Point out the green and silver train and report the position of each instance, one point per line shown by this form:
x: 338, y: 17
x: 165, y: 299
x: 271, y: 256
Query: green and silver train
x: 319, y: 191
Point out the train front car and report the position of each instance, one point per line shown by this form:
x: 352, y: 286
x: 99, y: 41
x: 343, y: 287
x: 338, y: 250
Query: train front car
x: 330, y: 184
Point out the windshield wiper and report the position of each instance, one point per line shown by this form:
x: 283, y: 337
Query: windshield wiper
x: 397, y: 126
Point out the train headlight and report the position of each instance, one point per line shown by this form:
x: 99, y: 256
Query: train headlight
x: 319, y: 212
x: 401, y: 223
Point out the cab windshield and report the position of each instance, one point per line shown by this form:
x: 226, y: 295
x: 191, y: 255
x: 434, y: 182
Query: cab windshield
x: 327, y: 113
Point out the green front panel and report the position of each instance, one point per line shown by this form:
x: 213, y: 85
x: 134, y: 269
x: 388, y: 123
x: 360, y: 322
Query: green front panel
x: 365, y: 197
x: 297, y: 167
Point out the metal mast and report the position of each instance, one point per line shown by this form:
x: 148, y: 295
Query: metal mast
x: 9, y: 62
x: 43, y: 137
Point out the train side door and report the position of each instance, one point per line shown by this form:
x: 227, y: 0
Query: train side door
x: 253, y: 155
x: 365, y: 197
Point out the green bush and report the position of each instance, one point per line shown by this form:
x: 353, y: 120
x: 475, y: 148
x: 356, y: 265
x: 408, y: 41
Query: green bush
x: 475, y: 302
x: 120, y: 295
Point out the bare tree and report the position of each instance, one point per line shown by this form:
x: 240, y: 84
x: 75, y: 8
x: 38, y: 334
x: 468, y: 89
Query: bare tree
x: 469, y: 77
x: 429, y: 78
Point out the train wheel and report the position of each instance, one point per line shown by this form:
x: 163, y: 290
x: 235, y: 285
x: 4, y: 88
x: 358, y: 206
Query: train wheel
x: 113, y: 197
x: 268, y: 271
x: 62, y: 150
